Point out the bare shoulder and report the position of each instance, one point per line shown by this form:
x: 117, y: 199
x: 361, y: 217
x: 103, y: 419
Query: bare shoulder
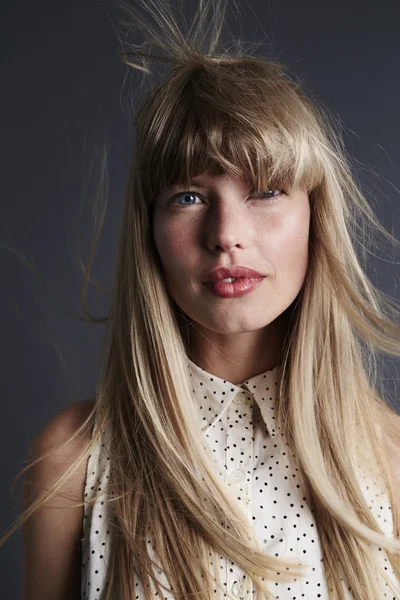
x: 52, y: 537
x: 62, y: 426
x: 56, y: 432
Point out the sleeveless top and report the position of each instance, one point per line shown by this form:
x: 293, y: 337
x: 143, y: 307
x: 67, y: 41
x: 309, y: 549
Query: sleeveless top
x: 237, y: 422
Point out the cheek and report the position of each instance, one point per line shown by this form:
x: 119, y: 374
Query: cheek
x: 172, y: 243
x: 291, y: 245
x: 296, y: 236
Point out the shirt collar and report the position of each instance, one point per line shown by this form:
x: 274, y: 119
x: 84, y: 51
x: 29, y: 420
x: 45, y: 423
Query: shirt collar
x: 213, y: 395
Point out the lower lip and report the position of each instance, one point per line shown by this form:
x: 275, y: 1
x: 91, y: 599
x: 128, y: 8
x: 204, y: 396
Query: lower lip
x: 233, y: 289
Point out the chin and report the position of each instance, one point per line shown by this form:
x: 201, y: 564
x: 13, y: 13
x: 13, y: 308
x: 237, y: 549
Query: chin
x: 234, y: 324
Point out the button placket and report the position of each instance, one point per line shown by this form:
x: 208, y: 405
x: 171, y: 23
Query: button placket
x: 250, y: 399
x: 240, y: 448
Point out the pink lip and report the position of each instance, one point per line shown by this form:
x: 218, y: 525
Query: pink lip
x: 238, y: 272
x: 234, y: 289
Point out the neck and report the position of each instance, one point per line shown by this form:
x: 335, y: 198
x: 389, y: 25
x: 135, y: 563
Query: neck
x: 237, y: 357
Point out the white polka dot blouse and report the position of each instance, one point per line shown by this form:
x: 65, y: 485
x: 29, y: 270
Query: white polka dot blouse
x: 238, y: 423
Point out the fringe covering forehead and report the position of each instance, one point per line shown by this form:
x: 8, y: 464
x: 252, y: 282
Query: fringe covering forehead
x: 240, y: 116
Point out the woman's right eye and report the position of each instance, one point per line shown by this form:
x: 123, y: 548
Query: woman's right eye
x: 187, y: 198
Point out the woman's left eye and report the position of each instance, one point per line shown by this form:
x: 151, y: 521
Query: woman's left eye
x: 264, y: 193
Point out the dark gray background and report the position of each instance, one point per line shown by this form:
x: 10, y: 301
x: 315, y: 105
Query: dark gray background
x: 62, y: 93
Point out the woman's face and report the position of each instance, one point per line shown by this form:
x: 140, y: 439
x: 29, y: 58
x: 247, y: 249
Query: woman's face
x: 218, y: 222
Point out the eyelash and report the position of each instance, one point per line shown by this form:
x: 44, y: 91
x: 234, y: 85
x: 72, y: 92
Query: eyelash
x: 269, y: 200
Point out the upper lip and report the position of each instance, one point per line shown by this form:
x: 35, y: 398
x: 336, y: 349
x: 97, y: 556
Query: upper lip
x: 236, y: 272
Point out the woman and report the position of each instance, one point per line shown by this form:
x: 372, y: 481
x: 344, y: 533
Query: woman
x: 237, y: 446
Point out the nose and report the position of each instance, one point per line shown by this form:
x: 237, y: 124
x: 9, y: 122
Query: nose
x: 227, y: 227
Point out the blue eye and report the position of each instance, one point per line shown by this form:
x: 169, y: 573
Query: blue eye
x: 187, y: 196
x: 264, y: 193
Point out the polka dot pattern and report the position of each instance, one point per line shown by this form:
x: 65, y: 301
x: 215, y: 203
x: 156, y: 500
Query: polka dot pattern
x: 238, y: 424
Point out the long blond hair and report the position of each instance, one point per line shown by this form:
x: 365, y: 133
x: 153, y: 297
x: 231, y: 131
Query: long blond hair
x: 243, y: 115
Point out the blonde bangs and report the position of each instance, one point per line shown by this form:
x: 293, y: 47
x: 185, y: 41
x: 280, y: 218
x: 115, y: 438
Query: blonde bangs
x: 225, y: 123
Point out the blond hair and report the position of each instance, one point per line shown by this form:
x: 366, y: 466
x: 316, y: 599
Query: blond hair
x: 243, y: 115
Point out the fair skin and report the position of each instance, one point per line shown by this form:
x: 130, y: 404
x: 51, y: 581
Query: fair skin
x: 221, y: 224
